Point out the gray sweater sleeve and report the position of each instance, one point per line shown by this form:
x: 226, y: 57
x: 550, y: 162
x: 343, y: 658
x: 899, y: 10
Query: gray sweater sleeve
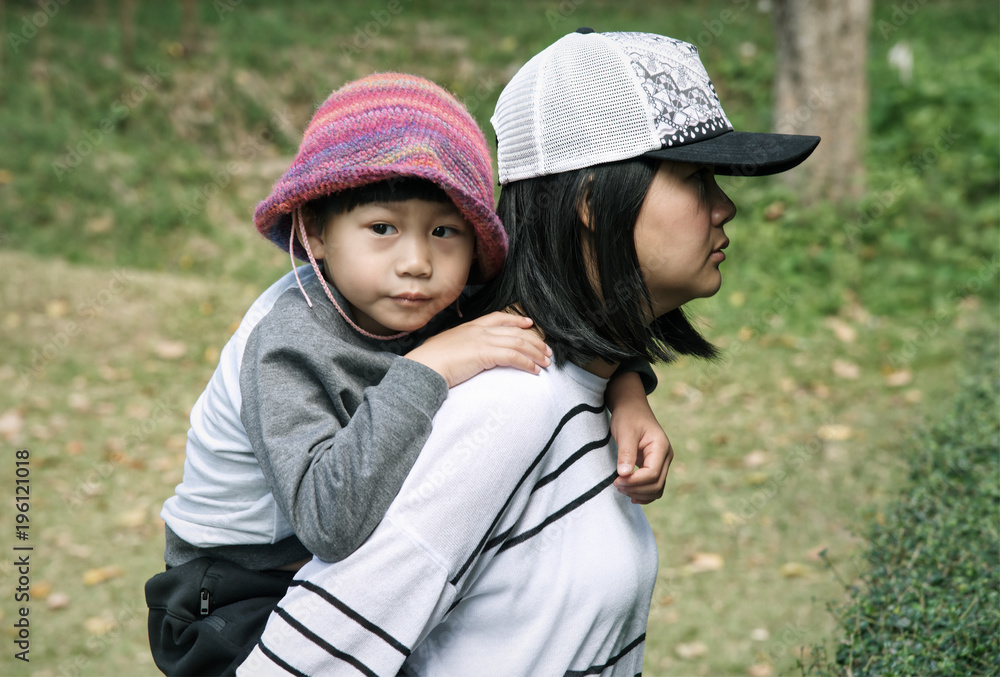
x: 333, y: 451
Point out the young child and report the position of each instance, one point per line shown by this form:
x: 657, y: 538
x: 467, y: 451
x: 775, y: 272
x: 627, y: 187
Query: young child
x: 311, y: 421
x: 608, y: 146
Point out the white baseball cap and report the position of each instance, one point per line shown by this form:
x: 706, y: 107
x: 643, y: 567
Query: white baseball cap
x: 592, y: 98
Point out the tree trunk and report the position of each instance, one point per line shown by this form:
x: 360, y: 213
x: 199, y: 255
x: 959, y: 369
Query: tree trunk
x: 821, y: 88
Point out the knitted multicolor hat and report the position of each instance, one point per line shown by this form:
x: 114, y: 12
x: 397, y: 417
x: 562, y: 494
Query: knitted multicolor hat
x: 391, y: 125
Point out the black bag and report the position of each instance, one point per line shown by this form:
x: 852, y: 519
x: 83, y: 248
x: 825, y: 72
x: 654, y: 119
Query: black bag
x: 206, y: 616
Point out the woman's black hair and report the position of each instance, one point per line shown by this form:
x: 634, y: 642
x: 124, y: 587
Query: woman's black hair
x: 321, y: 209
x: 598, y: 313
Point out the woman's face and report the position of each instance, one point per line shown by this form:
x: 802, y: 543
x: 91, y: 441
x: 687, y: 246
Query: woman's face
x: 679, y: 235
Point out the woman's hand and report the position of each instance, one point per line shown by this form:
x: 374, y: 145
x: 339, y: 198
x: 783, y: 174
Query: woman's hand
x: 495, y: 340
x: 641, y: 440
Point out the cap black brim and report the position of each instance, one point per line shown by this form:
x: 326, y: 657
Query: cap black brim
x: 743, y: 153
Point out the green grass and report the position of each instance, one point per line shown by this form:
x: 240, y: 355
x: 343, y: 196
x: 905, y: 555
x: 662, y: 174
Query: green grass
x: 121, y: 282
x: 930, y: 600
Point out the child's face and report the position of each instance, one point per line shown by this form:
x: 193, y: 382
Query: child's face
x: 679, y: 235
x: 398, y: 264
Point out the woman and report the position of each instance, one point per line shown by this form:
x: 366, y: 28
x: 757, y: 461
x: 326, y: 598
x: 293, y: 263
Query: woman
x: 506, y: 551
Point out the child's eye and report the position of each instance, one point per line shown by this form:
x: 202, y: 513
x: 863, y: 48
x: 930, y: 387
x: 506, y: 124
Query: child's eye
x: 383, y: 229
x: 446, y: 231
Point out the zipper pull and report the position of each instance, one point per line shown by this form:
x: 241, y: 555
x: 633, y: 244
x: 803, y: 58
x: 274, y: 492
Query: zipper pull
x: 204, y: 602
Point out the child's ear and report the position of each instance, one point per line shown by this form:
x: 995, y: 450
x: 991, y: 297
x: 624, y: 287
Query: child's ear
x: 314, y: 235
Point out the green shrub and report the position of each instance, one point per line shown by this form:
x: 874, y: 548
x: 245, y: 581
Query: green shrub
x: 930, y: 599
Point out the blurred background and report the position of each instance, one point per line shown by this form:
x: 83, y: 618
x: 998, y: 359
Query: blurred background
x: 139, y: 137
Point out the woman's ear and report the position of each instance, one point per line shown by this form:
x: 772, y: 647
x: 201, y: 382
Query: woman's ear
x: 583, y: 202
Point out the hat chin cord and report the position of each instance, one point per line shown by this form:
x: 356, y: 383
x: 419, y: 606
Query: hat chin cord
x: 298, y: 224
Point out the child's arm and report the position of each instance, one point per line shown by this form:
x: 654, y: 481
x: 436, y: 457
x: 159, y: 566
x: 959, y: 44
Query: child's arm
x: 494, y: 340
x: 332, y: 458
x: 641, y: 440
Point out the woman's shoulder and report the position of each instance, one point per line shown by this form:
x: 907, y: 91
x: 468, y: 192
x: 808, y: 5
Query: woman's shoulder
x: 519, y: 396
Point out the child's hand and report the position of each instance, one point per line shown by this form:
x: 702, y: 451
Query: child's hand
x: 494, y: 340
x: 641, y: 440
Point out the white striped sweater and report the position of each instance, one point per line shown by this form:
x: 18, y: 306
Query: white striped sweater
x: 506, y: 552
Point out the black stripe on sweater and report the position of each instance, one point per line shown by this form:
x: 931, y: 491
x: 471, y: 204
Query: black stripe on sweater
x: 562, y: 512
x: 598, y: 669
x: 580, y: 408
x: 274, y: 658
x: 584, y: 450
x: 354, y: 616
x: 323, y: 644
x: 590, y: 446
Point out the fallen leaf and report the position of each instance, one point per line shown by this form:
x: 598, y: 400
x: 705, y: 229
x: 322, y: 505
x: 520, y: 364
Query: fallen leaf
x: 100, y: 224
x: 95, y: 576
x: 169, y: 350
x: 705, y: 561
x: 11, y: 423
x: 691, y: 650
x: 845, y: 369
x: 40, y: 590
x: 78, y: 402
x: 135, y: 517
x: 57, y: 308
x: 793, y: 570
x: 843, y: 331
x: 57, y: 600
x: 898, y: 379
x: 99, y: 625
x: 136, y: 410
x: 774, y: 211
x: 834, y: 432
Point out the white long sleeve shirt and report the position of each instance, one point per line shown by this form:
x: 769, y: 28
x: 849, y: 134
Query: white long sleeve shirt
x: 506, y: 552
